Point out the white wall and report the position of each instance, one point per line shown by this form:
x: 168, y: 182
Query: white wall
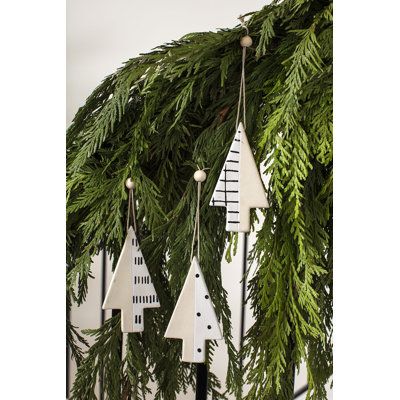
x: 101, y: 35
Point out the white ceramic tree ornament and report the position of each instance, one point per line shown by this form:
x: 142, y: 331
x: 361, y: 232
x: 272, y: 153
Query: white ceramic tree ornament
x: 131, y: 289
x: 239, y: 187
x: 194, y: 320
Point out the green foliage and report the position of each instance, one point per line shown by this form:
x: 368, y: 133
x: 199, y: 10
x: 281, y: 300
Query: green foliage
x: 75, y: 341
x: 156, y: 118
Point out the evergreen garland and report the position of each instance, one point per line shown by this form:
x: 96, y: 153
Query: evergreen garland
x: 156, y: 118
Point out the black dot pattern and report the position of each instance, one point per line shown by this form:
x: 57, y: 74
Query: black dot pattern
x: 205, y: 322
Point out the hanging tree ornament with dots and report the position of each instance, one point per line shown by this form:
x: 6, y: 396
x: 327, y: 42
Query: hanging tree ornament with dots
x: 239, y: 187
x: 194, y: 319
x: 131, y: 289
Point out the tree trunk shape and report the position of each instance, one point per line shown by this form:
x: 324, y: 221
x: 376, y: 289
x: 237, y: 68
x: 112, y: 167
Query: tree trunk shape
x: 131, y: 289
x: 239, y: 187
x: 194, y: 319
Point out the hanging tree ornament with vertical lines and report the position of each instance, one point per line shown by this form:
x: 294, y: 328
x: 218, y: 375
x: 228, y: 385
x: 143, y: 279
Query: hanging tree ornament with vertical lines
x: 239, y: 187
x: 131, y: 289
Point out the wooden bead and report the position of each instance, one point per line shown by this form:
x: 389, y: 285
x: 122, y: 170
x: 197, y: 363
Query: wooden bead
x: 129, y: 184
x: 200, y: 176
x: 246, y: 41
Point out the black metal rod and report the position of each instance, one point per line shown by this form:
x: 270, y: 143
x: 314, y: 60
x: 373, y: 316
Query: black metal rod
x: 201, y: 381
x: 103, y: 284
x: 102, y: 312
x: 68, y: 361
x: 243, y: 308
x: 243, y: 311
x: 300, y: 391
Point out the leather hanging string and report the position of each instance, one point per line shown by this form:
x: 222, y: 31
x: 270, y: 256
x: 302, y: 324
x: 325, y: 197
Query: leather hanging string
x: 196, y: 231
x: 242, y: 88
x: 131, y: 209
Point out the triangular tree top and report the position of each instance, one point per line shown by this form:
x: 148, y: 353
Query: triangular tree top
x: 131, y: 289
x: 194, y: 319
x: 239, y: 187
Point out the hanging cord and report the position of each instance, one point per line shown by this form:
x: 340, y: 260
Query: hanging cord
x: 245, y: 42
x: 199, y: 176
x: 198, y: 219
x: 131, y: 205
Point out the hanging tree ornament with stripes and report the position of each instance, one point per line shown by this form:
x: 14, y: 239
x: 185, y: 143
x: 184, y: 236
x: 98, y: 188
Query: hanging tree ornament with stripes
x: 131, y: 289
x: 239, y: 187
x: 194, y: 319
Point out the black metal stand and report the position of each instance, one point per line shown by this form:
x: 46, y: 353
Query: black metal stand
x: 201, y: 381
x: 102, y: 312
x: 67, y: 353
x: 243, y: 314
x: 103, y: 283
x: 300, y: 391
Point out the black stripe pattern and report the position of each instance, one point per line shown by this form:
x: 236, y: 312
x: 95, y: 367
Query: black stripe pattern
x: 144, y: 294
x: 226, y: 193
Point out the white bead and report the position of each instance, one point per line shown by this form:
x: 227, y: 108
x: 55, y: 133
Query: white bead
x: 200, y: 176
x: 246, y: 41
x: 129, y: 183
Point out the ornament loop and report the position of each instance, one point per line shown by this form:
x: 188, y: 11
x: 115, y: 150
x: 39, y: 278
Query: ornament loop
x: 245, y: 42
x: 199, y: 176
x: 131, y: 204
x: 243, y: 23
